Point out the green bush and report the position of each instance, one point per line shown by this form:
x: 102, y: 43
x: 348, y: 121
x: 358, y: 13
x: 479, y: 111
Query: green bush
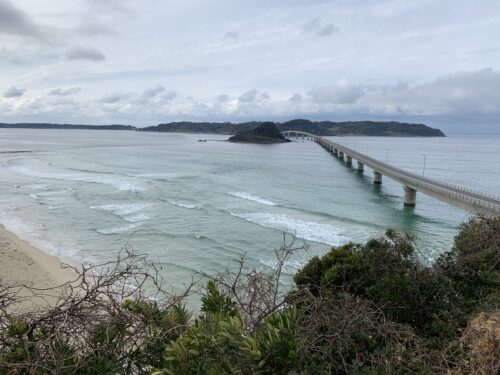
x: 360, y: 309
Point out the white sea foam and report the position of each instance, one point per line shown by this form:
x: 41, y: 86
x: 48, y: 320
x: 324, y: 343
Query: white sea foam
x: 34, y: 234
x: 251, y: 197
x: 36, y: 187
x: 184, y: 205
x: 120, y: 183
x: 56, y: 207
x: 52, y: 194
x: 125, y: 210
x: 291, y: 266
x: 306, y: 230
x: 137, y: 218
x: 120, y: 229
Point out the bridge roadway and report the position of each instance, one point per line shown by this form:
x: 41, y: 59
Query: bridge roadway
x: 462, y: 197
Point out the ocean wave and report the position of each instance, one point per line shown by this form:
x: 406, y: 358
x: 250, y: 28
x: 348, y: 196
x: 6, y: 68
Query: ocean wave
x: 56, y: 207
x: 253, y: 198
x: 137, y: 218
x: 120, y: 183
x: 185, y: 205
x: 306, y: 230
x: 34, y: 234
x: 51, y: 195
x: 36, y: 187
x: 290, y: 267
x: 129, y: 211
x: 162, y: 176
x: 120, y: 229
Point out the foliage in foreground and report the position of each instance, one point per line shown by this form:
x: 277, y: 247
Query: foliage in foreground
x: 360, y: 309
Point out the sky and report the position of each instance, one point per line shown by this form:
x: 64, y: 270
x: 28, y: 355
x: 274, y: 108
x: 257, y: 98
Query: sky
x: 154, y: 61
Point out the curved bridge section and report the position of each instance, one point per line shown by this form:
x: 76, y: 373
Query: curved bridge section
x: 459, y: 196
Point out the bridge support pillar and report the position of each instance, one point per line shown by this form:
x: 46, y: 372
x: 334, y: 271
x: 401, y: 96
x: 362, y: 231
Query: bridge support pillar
x: 335, y: 152
x: 410, y: 197
x: 361, y: 167
x: 377, y: 177
x: 341, y: 155
x: 348, y: 159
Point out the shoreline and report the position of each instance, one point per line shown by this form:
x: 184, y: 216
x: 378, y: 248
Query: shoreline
x: 25, y: 266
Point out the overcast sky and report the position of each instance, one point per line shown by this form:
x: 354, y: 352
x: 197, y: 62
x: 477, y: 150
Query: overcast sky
x: 151, y: 61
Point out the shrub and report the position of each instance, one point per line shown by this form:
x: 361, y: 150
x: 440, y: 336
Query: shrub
x: 360, y: 309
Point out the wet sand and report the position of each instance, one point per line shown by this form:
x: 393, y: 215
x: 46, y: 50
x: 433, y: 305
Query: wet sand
x: 22, y: 264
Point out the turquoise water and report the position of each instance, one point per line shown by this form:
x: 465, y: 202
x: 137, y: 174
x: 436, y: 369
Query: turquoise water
x: 83, y: 195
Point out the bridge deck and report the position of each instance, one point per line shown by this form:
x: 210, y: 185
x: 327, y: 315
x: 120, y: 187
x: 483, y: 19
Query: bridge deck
x: 460, y: 196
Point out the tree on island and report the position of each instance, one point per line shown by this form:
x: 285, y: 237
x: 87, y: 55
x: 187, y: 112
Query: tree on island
x: 267, y: 132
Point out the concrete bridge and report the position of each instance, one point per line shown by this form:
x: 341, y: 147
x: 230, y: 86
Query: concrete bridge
x: 462, y: 197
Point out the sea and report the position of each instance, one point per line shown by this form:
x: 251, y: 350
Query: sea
x: 191, y: 206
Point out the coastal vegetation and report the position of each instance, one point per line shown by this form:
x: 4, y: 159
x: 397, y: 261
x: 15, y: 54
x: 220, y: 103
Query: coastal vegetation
x: 322, y: 128
x: 371, y: 308
x: 267, y: 132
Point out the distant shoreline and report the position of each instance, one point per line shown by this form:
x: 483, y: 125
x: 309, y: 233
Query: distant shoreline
x: 321, y: 128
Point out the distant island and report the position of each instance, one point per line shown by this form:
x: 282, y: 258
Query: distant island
x: 267, y: 132
x: 28, y: 125
x: 322, y: 128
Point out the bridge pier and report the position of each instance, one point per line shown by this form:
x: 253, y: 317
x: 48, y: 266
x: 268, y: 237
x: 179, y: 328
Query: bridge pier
x: 410, y: 197
x: 459, y: 196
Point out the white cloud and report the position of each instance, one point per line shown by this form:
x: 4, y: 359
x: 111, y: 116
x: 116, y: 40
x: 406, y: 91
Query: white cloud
x: 314, y: 58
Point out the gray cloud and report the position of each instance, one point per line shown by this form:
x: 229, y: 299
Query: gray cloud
x: 265, y: 96
x: 232, y: 35
x: 94, y: 28
x: 27, y: 56
x: 341, y: 92
x: 85, y: 53
x: 65, y: 92
x: 115, y: 97
x: 222, y: 98
x: 109, y: 6
x: 14, y: 92
x: 169, y: 95
x: 473, y: 92
x: 14, y: 21
x: 318, y: 28
x: 151, y: 93
x: 248, y: 96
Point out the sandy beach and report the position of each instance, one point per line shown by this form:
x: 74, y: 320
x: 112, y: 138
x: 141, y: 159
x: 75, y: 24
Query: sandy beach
x: 23, y: 264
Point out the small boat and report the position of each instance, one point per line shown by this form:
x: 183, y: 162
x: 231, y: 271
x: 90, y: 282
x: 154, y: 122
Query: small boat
x: 202, y: 140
